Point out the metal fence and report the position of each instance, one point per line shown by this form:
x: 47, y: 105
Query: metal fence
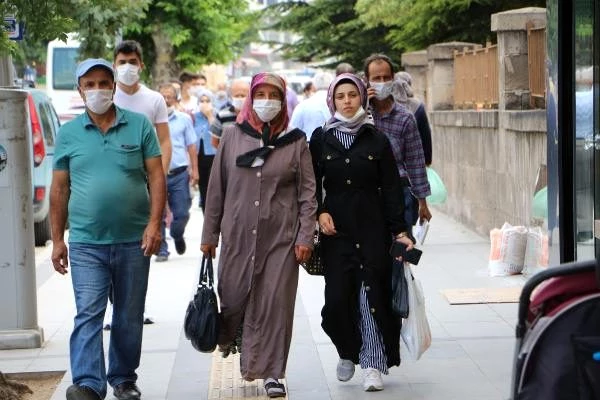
x: 536, y: 49
x: 476, y: 78
x: 476, y: 74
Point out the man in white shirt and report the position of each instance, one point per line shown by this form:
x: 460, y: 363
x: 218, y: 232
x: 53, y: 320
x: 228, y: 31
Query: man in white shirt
x: 134, y: 96
x: 313, y: 112
x: 191, y: 87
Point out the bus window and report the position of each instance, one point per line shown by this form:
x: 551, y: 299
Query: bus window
x: 61, y: 63
x: 64, y: 64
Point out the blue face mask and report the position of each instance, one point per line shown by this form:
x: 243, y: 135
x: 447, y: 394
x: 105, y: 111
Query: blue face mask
x: 383, y: 90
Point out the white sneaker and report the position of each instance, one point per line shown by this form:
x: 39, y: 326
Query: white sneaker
x: 345, y: 370
x: 372, y: 380
x: 108, y: 317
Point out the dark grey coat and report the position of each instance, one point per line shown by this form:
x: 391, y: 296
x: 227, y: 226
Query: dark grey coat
x: 364, y: 197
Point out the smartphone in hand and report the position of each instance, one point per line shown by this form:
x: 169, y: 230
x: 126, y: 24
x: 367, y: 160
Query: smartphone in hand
x: 412, y: 256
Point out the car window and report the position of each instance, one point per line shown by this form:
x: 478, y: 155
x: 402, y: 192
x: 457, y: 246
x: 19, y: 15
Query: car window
x: 47, y: 125
x: 54, y: 118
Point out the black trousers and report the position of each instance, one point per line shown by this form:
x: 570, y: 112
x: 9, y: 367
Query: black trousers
x: 204, y: 165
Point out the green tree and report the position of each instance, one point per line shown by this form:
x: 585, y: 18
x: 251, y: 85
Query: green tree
x: 328, y: 30
x: 189, y: 33
x: 415, y: 25
x: 45, y: 20
x: 97, y: 22
x: 100, y: 22
x: 175, y: 35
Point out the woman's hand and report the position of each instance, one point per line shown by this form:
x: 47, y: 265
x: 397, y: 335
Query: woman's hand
x: 326, y: 224
x: 404, y: 239
x: 209, y: 250
x: 302, y: 253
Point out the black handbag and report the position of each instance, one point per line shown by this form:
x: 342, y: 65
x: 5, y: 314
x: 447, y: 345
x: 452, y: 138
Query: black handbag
x: 399, y: 289
x: 314, y: 265
x: 201, y: 323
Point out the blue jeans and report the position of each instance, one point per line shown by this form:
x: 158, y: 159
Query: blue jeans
x: 94, y: 269
x: 411, y: 209
x: 180, y: 201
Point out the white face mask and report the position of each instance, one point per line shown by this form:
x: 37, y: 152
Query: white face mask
x: 196, y: 90
x: 170, y: 109
x: 382, y: 89
x: 238, y: 102
x: 98, y: 101
x: 128, y: 74
x: 221, y: 95
x: 359, y: 114
x: 266, y: 109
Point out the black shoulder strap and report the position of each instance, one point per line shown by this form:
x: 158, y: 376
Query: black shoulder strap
x: 206, y: 272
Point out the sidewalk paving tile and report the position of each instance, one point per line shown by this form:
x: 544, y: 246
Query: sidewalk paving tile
x: 470, y: 356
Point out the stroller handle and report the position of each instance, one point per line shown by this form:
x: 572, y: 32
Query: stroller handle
x: 561, y: 270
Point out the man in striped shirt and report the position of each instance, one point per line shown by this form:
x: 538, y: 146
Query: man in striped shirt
x: 399, y: 125
x: 227, y: 115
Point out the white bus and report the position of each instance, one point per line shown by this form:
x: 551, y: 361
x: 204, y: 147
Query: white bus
x: 61, y: 87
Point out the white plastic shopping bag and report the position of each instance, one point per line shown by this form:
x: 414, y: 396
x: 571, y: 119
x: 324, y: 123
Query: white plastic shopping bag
x: 536, y: 251
x: 507, y: 252
x: 420, y: 230
x: 415, y: 332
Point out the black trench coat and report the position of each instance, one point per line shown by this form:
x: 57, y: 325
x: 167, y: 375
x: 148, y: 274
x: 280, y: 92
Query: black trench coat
x: 363, y: 194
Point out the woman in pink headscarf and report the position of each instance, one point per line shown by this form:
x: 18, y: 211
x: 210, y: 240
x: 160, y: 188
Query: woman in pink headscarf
x: 261, y: 200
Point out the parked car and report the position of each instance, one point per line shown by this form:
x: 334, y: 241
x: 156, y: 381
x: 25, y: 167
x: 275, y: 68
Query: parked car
x: 44, y: 126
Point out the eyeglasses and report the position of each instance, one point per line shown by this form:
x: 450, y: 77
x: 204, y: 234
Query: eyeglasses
x: 204, y: 101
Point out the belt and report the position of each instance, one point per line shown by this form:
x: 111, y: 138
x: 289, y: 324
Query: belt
x: 178, y: 170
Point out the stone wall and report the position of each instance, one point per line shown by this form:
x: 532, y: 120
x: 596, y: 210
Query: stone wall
x: 489, y: 161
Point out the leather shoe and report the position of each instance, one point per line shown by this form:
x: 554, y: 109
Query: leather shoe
x: 127, y: 391
x: 76, y: 392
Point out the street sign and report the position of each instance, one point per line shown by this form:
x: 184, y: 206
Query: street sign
x: 13, y: 28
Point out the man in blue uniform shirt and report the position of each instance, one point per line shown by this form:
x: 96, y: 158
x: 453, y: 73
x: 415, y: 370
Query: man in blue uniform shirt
x: 183, y: 171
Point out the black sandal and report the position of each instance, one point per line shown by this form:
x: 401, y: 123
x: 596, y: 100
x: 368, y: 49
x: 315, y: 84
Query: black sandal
x: 275, y: 389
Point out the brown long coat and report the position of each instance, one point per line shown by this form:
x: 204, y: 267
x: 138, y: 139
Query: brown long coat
x: 261, y: 213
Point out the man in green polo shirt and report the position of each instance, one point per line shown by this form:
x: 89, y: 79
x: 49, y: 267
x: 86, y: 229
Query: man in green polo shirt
x: 108, y: 181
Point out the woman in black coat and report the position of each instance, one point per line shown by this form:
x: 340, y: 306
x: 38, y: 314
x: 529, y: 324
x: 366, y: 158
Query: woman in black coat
x: 360, y: 212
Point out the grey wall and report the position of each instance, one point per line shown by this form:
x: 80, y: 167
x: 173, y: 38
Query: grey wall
x: 489, y: 162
